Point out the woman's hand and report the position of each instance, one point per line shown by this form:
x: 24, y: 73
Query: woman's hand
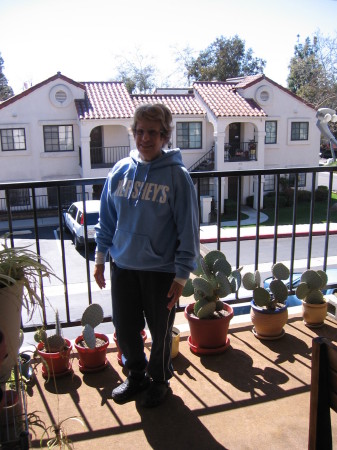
x: 174, y: 294
x: 99, y: 275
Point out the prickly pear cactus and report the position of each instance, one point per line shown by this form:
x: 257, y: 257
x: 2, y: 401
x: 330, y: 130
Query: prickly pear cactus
x: 309, y: 289
x: 92, y: 316
x: 54, y: 343
x: 278, y: 291
x: 213, y: 279
x: 89, y: 336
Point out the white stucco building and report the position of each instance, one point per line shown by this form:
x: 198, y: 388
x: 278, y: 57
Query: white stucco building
x: 63, y: 129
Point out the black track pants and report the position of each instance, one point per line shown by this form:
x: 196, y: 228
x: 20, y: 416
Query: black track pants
x: 136, y: 294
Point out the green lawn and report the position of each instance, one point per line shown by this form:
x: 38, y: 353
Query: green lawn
x: 286, y: 214
x: 303, y: 213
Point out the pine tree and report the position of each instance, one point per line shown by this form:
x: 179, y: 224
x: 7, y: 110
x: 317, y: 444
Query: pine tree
x: 5, y: 90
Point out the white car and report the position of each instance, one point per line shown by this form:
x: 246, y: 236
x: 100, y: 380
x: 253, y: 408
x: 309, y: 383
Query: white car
x: 74, y: 221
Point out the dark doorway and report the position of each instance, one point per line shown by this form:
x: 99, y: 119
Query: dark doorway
x: 234, y: 138
x: 96, y: 146
x: 232, y: 188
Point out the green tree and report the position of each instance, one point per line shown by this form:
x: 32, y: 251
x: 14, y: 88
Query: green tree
x: 5, y: 90
x: 313, y: 71
x: 224, y: 58
x: 137, y: 73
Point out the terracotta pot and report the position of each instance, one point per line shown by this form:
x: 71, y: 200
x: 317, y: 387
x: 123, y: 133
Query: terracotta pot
x: 208, y: 335
x: 314, y: 314
x: 10, y: 322
x: 92, y: 359
x: 58, y: 364
x: 120, y: 356
x: 268, y: 323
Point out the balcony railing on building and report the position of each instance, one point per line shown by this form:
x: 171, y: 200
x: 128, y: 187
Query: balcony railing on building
x: 106, y: 157
x: 36, y: 207
x: 241, y: 151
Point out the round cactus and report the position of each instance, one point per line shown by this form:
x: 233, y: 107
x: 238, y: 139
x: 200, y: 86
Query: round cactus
x: 207, y: 310
x: 222, y: 265
x: 248, y: 281
x: 279, y: 289
x: 280, y: 271
x: 93, y: 315
x: 315, y: 297
x: 302, y: 290
x: 54, y: 343
x: 261, y: 296
x: 200, y: 284
x: 324, y: 277
x: 188, y: 289
x: 224, y: 285
x: 199, y: 304
x: 312, y: 278
x: 212, y: 256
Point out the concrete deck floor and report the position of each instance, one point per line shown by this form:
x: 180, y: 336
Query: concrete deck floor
x: 253, y: 396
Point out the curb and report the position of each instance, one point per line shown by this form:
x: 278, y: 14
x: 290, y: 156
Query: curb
x: 212, y: 240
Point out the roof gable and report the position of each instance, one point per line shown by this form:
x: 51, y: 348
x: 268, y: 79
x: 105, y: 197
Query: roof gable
x: 38, y: 86
x: 225, y: 101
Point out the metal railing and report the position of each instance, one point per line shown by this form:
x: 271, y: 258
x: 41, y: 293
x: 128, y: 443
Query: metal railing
x: 206, y: 162
x: 243, y: 151
x: 106, y: 157
x: 218, y: 178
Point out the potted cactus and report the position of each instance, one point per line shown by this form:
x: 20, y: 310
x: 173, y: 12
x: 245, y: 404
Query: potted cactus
x: 91, y: 346
x: 54, y: 351
x: 209, y: 316
x: 21, y: 273
x: 314, y: 306
x: 268, y: 312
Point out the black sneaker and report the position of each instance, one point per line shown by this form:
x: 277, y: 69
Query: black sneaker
x: 156, y: 393
x: 126, y: 391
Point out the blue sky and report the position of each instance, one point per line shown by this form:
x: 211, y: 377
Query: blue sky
x: 84, y: 39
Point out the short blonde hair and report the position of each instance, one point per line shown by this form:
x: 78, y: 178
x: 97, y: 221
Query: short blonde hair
x: 158, y: 113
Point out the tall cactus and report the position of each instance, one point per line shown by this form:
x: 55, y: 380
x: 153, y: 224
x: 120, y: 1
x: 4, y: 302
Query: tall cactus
x: 55, y: 342
x: 278, y: 291
x: 309, y: 289
x: 92, y: 316
x: 214, y: 279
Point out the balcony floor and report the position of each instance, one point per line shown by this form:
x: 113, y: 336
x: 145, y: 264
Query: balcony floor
x: 253, y: 396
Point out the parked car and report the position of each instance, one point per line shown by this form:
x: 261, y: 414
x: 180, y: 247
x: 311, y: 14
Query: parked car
x: 73, y: 221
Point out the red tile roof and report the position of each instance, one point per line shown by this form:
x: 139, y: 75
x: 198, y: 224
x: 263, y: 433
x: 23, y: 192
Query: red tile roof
x: 178, y: 104
x: 105, y: 100
x: 224, y: 100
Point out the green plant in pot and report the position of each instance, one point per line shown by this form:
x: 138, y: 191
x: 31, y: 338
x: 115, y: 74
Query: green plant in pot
x: 314, y: 306
x: 54, y: 351
x: 269, y: 312
x: 209, y: 316
x: 91, y: 346
x: 21, y: 271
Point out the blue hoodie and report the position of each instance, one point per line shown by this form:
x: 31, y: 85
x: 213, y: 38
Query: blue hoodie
x: 149, y: 215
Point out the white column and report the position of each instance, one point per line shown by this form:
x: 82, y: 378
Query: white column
x: 256, y: 190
